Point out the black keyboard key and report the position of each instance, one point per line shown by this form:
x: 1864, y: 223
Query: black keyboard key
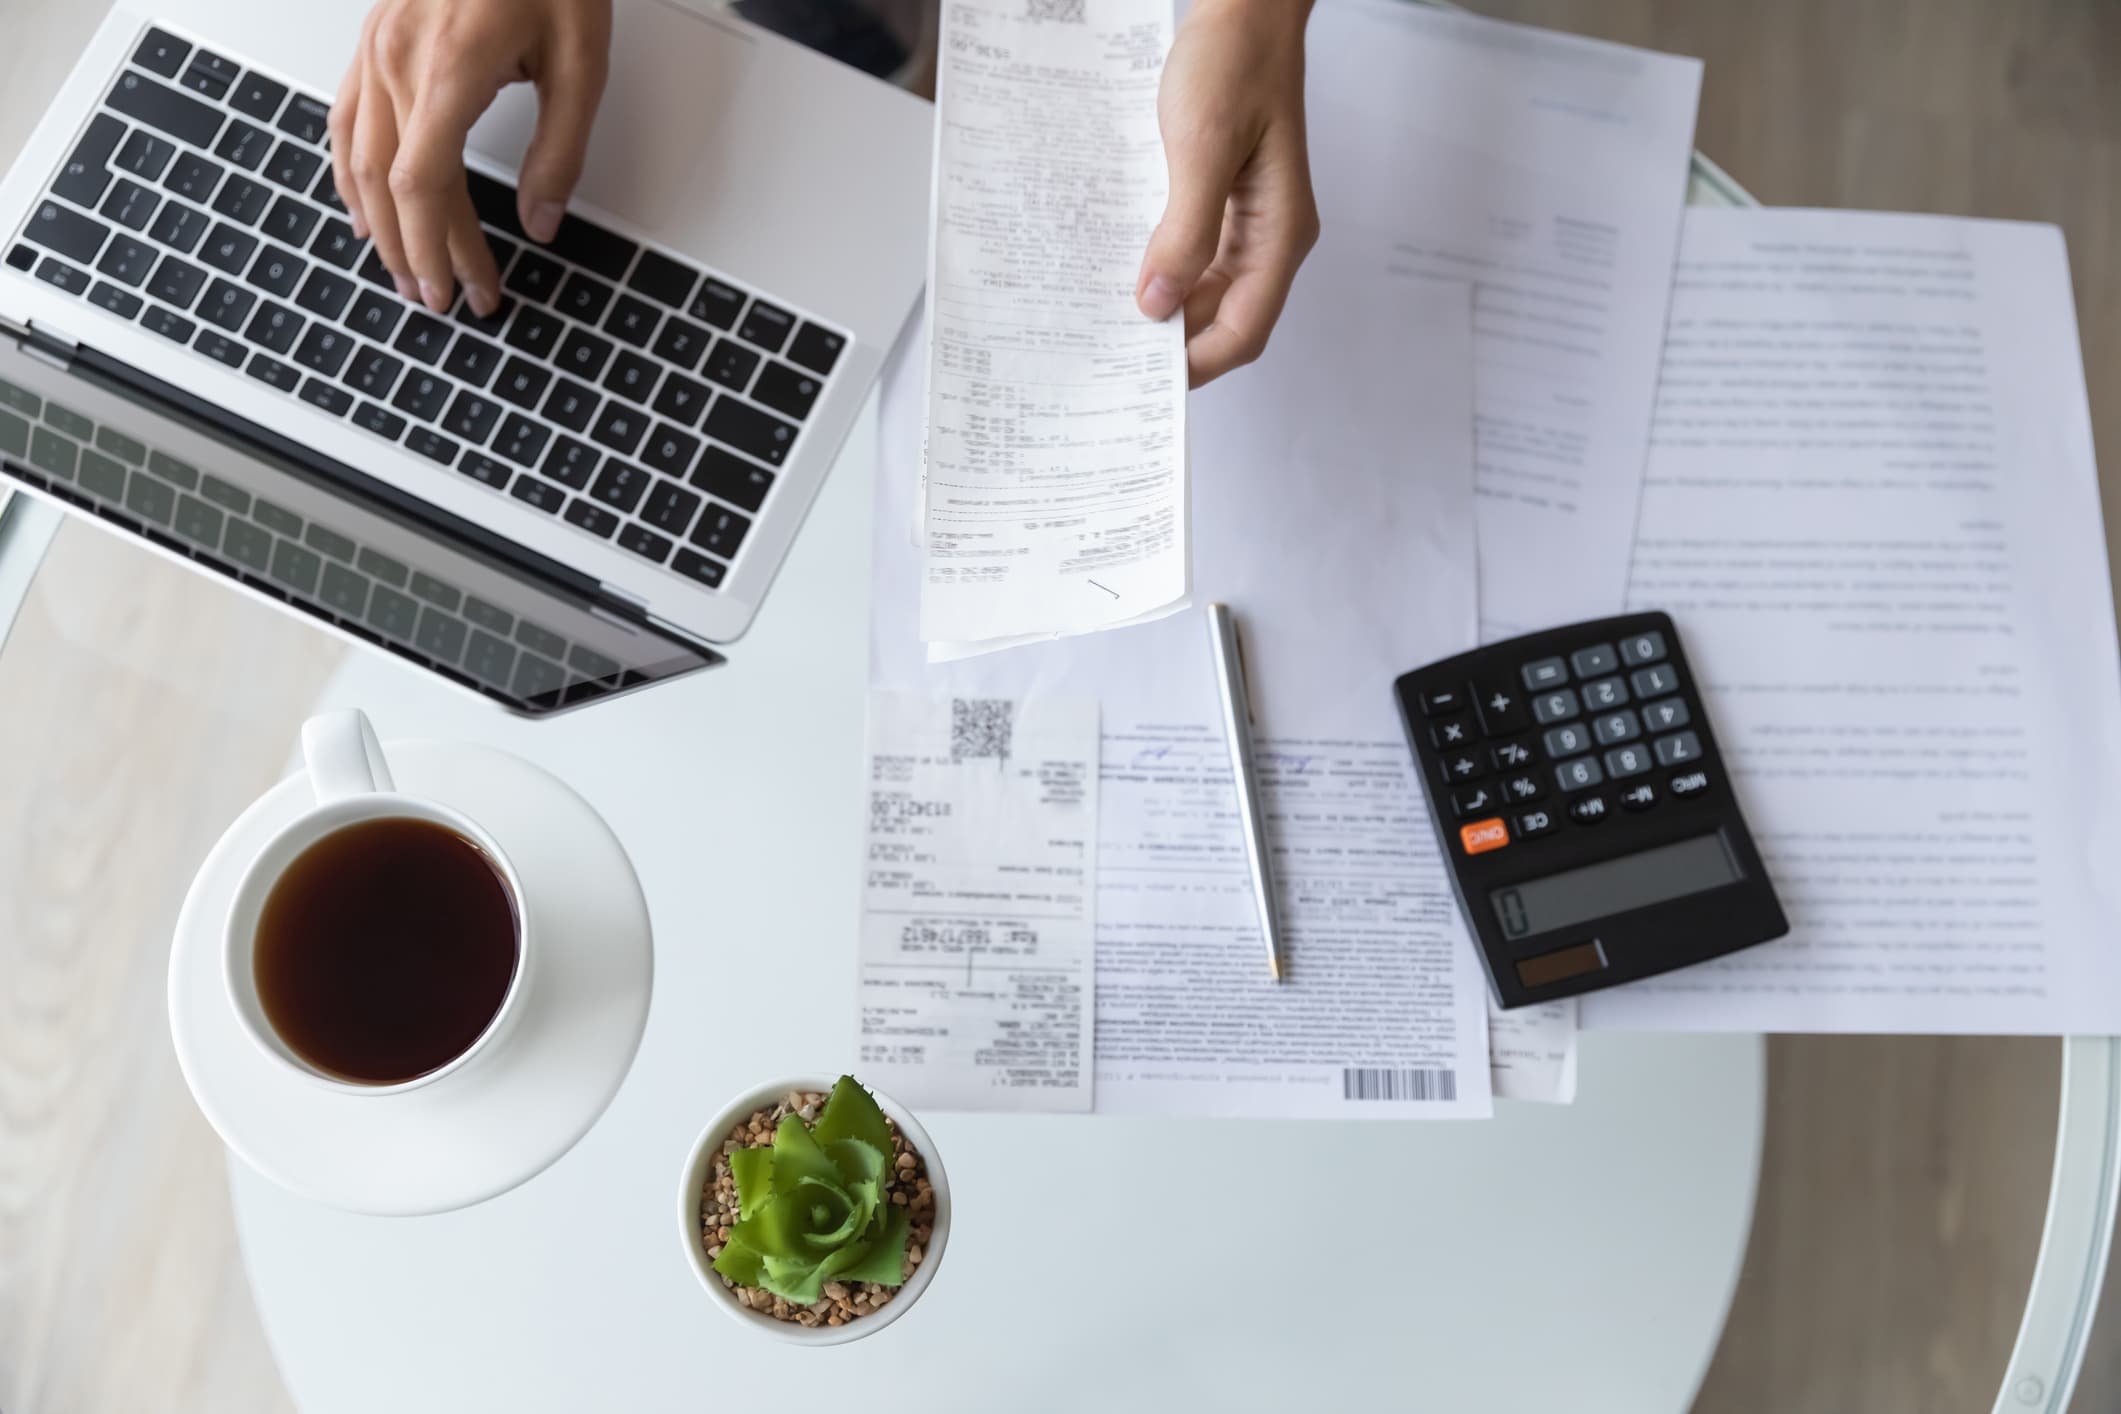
x: 521, y: 440
x: 244, y: 145
x: 21, y: 258
x: 534, y: 330
x: 325, y: 294
x: 583, y: 354
x: 242, y: 199
x: 534, y: 276
x: 732, y: 479
x: 228, y: 249
x: 583, y: 298
x: 682, y: 400
x: 486, y: 469
x: 324, y: 349
x: 168, y: 323
x: 521, y: 382
x: 258, y: 97
x: 67, y: 232
x: 682, y: 342
x: 70, y: 278
x: 336, y: 401
x: 503, y: 249
x: 572, y: 405
x: 542, y: 494
x: 145, y: 155
x: 495, y: 203
x: 717, y: 304
x: 290, y: 221
x: 671, y: 507
x: 193, y: 177
x: 471, y: 360
x: 595, y: 249
x: 423, y: 395
x: 381, y: 421
x: 128, y: 261
x: 424, y: 337
x: 275, y: 326
x: 87, y: 172
x: 373, y: 372
x: 490, y: 325
x: 176, y: 283
x: 326, y: 193
x: 337, y: 244
x: 293, y: 167
x: 594, y: 519
x: 226, y: 305
x: 645, y: 543
x: 432, y: 445
x: 375, y: 315
x: 161, y: 53
x: 376, y: 272
x: 166, y: 110
x: 210, y: 74
x: 633, y: 377
x: 277, y: 272
x: 271, y: 370
x: 131, y: 205
x: 731, y: 364
x: 670, y: 451
x: 105, y: 295
x: 661, y: 278
x: 472, y: 417
x: 620, y: 428
x: 221, y: 350
x: 631, y: 321
x: 620, y: 485
x: 721, y: 531
x: 570, y: 463
x: 766, y: 326
x: 179, y: 226
x: 816, y: 349
x: 750, y: 431
x: 307, y: 118
x: 693, y: 565
x: 785, y: 389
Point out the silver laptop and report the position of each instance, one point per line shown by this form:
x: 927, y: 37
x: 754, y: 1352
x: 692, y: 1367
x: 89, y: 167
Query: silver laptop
x: 583, y: 494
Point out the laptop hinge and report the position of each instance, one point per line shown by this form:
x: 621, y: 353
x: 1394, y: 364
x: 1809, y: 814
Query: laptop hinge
x: 41, y: 343
x: 632, y: 601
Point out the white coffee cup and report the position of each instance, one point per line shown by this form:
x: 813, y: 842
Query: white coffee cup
x: 353, y: 785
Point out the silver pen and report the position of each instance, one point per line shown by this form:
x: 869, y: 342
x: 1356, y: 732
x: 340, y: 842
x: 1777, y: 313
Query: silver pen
x: 1251, y: 810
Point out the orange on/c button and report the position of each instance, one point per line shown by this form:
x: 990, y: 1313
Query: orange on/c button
x: 1483, y: 835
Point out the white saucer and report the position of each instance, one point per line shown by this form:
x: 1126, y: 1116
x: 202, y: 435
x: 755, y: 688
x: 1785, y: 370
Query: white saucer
x: 502, y: 1119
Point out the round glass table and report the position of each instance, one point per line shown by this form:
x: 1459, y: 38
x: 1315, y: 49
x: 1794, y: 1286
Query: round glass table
x: 1583, y: 1257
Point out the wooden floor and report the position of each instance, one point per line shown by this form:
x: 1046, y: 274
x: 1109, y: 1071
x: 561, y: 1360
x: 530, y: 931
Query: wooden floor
x: 1905, y: 1179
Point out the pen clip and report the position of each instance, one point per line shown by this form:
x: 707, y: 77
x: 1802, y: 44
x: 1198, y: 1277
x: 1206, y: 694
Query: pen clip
x: 1244, y: 674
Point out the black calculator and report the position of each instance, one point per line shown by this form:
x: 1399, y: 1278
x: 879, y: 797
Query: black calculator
x: 1589, y: 823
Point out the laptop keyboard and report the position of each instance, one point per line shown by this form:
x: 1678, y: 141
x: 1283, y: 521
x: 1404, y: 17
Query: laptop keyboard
x: 632, y: 395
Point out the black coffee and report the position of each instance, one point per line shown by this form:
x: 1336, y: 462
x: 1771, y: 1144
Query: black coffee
x: 385, y: 949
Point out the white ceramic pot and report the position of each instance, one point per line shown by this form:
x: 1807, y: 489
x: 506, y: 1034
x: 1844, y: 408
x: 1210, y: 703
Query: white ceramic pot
x: 701, y: 1161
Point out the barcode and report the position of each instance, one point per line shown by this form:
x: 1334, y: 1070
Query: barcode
x: 1065, y: 11
x: 1375, y: 1084
x: 981, y: 728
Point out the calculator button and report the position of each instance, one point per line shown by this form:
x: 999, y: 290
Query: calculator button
x: 1501, y: 708
x: 1438, y: 700
x: 1604, y: 693
x: 1655, y: 682
x: 1483, y: 835
x: 1598, y: 658
x: 1639, y: 797
x: 1535, y: 822
x: 1555, y: 706
x: 1454, y: 731
x: 1666, y: 715
x: 1472, y: 800
x: 1627, y: 761
x: 1567, y: 740
x: 1544, y: 673
x: 1579, y: 774
x: 1589, y: 810
x: 1459, y: 767
x: 1519, y: 789
x: 1639, y: 648
x: 1678, y: 749
x: 1616, y: 726
x: 1692, y: 783
x: 1509, y: 755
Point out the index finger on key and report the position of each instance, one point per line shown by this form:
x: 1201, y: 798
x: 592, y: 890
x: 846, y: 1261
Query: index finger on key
x: 434, y: 204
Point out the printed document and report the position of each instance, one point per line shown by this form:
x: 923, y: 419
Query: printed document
x: 1872, y: 509
x: 1055, y: 481
x: 977, y: 940
x: 1550, y: 172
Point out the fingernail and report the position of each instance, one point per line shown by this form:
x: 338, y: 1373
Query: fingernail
x: 483, y: 301
x: 407, y: 290
x: 1162, y: 298
x: 544, y: 221
x: 360, y: 227
x: 436, y: 299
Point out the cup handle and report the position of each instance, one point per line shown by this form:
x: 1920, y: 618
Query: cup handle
x: 343, y: 756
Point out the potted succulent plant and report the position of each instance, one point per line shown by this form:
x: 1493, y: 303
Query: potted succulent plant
x: 813, y: 1217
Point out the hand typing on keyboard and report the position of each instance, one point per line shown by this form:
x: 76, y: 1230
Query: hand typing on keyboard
x: 423, y: 72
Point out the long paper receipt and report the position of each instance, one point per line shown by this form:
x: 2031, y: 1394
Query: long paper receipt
x: 1055, y: 498
x: 978, y: 937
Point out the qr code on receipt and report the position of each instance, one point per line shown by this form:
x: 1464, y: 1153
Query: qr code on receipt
x: 980, y: 728
x: 1068, y: 12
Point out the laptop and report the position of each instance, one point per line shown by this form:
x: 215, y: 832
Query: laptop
x: 586, y: 493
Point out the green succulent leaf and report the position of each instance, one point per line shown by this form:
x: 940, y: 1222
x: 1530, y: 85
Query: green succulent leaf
x: 753, y: 1171
x: 796, y: 1156
x: 885, y: 1261
x: 862, y: 1174
x: 850, y: 1113
x: 738, y: 1262
x: 799, y: 1280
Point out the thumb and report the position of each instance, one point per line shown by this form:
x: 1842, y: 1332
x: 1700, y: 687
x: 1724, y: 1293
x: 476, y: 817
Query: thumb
x: 1186, y: 239
x: 567, y: 108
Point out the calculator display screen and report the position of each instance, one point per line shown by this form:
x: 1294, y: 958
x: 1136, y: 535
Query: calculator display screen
x: 1616, y: 885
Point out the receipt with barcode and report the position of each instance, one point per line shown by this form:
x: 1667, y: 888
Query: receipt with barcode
x: 978, y: 941
x: 1055, y: 481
